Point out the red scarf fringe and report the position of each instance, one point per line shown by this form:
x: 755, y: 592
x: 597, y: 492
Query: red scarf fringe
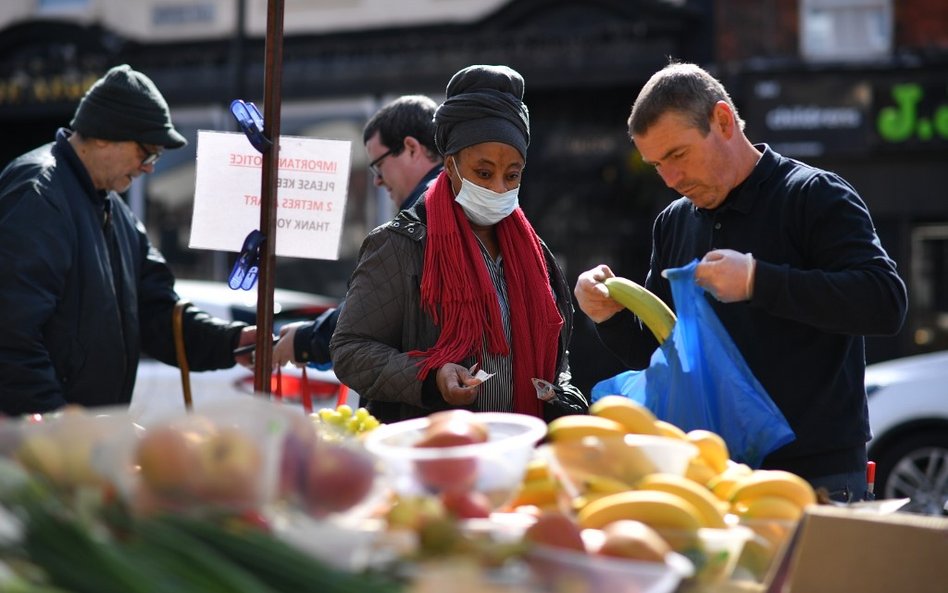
x: 457, y: 291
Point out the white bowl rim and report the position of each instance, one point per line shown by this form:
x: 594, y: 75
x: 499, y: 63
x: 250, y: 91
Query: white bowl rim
x: 535, y: 430
x: 675, y: 563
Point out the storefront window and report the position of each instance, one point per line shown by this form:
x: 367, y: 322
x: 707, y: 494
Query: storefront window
x: 929, y: 286
x: 845, y: 30
x: 58, y: 6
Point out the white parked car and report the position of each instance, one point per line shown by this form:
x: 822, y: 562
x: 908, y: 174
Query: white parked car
x: 908, y: 413
x: 158, y: 386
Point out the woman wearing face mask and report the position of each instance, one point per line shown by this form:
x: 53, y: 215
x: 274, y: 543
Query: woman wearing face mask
x: 461, y: 279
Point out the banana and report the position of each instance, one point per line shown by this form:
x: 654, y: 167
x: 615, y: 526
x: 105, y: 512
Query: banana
x: 578, y: 503
x: 536, y: 492
x: 659, y: 510
x: 768, y: 507
x: 722, y: 485
x: 576, y: 426
x: 604, y: 484
x: 667, y: 429
x: 653, y: 312
x: 711, y: 448
x: 699, y: 471
x: 635, y: 417
x: 708, y: 506
x: 537, y: 468
x: 774, y: 482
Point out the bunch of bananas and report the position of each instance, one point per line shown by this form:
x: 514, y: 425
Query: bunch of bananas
x: 613, y: 484
x: 770, y: 503
x: 771, y: 494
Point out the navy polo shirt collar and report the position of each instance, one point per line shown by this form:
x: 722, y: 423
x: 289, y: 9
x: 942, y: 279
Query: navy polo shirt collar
x: 741, y: 198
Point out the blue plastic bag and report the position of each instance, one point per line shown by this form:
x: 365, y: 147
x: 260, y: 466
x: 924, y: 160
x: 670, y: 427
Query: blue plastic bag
x: 699, y: 379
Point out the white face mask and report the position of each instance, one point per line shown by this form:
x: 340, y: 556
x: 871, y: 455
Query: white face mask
x: 484, y: 206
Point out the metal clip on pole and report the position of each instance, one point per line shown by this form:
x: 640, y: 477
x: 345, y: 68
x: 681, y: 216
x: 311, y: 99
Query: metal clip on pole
x: 246, y: 268
x: 251, y: 122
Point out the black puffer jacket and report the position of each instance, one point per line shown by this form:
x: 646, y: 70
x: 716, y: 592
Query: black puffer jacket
x: 83, y: 291
x: 383, y: 320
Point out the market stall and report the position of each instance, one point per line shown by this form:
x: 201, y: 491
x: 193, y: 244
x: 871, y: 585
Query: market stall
x: 261, y: 497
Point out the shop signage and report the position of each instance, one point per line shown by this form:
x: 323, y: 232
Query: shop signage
x: 312, y: 181
x: 912, y: 114
x: 826, y: 115
x: 44, y: 89
x: 809, y: 118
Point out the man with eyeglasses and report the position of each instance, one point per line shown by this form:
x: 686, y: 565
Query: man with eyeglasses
x: 152, y: 154
x: 399, y: 142
x: 83, y: 291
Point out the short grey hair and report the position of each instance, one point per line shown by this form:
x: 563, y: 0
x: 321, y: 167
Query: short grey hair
x: 684, y: 88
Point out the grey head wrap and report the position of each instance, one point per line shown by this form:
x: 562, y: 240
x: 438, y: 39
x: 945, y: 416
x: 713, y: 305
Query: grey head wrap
x: 483, y: 104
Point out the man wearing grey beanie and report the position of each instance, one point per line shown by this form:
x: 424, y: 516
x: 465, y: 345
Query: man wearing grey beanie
x: 84, y: 291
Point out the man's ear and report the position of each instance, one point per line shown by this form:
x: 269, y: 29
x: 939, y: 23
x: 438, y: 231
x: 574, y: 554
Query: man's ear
x: 412, y: 146
x: 723, y: 119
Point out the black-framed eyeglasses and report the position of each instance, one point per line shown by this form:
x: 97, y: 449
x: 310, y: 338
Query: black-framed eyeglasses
x: 374, y: 165
x: 150, y: 157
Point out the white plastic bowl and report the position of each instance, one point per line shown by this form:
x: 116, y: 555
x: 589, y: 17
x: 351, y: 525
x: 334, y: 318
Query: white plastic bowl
x: 587, y: 572
x: 713, y: 552
x: 500, y: 462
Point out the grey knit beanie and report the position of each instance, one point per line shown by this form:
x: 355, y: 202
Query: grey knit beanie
x: 484, y: 104
x: 126, y: 105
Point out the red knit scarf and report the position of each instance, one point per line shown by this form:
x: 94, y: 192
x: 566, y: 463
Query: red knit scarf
x: 457, y: 291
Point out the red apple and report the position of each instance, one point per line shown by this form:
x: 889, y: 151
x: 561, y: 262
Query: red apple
x: 466, y: 505
x: 553, y: 528
x: 477, y: 429
x: 298, y: 449
x: 337, y: 479
x: 442, y: 475
x: 168, y: 462
x: 633, y: 540
x: 231, y: 463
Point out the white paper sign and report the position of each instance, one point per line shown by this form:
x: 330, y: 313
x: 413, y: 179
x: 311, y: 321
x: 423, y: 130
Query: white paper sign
x: 312, y: 181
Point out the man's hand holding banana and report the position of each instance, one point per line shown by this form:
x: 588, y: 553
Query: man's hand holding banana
x: 592, y: 296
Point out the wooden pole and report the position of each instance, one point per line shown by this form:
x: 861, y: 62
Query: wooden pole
x: 272, y: 84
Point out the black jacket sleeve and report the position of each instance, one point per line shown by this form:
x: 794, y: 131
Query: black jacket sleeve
x: 311, y: 342
x: 209, y: 341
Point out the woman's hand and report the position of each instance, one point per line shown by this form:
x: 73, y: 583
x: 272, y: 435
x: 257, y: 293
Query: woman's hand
x: 457, y: 385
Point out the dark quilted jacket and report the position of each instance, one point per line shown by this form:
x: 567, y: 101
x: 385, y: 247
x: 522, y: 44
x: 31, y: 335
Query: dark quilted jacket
x: 383, y: 319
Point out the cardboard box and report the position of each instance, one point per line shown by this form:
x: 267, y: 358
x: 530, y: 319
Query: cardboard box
x: 848, y: 549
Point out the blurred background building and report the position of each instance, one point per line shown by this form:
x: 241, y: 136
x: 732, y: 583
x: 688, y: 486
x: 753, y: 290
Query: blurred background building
x: 859, y: 87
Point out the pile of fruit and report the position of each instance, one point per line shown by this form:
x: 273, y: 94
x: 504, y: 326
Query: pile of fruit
x: 592, y: 489
x: 187, y: 503
x: 343, y: 422
x: 62, y: 548
x: 589, y: 469
x: 243, y: 456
